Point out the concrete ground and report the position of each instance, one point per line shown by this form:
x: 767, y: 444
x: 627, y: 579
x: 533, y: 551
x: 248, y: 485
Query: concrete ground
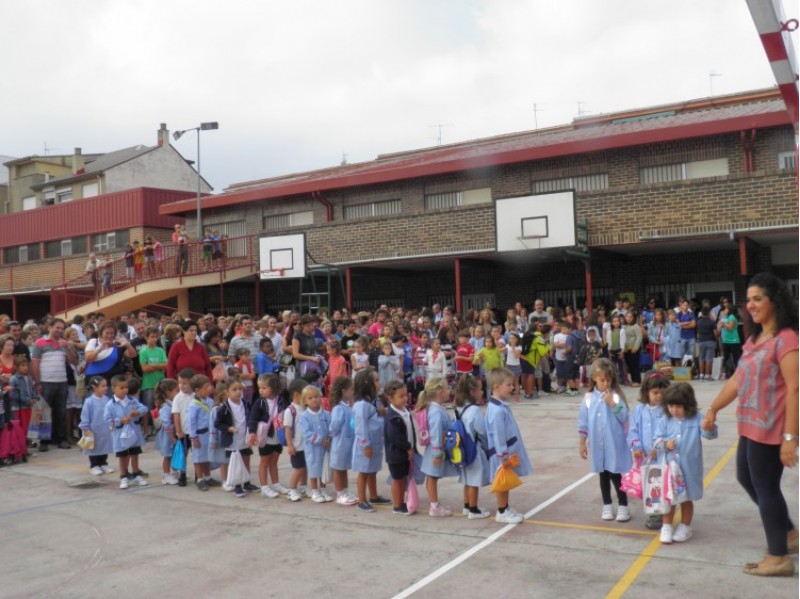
x: 60, y: 539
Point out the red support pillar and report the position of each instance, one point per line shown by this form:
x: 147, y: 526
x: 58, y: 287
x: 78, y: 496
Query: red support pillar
x: 348, y: 289
x: 458, y: 284
x: 588, y: 266
x: 258, y: 295
x: 743, y: 255
x: 14, y: 307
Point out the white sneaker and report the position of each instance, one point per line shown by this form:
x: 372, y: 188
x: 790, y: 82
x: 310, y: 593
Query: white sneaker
x: 480, y: 515
x: 326, y: 496
x: 169, y: 479
x: 107, y: 469
x: 465, y: 511
x: 508, y: 517
x: 666, y: 534
x: 294, y: 495
x: 623, y: 513
x: 280, y: 489
x: 227, y: 488
x: 96, y: 470
x: 317, y: 497
x: 608, y: 512
x: 346, y: 499
x: 682, y: 533
x: 123, y: 482
x: 304, y: 490
x: 269, y: 492
x: 139, y: 482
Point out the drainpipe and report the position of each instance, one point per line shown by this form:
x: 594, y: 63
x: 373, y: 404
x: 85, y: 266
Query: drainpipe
x: 324, y: 201
x: 748, y: 143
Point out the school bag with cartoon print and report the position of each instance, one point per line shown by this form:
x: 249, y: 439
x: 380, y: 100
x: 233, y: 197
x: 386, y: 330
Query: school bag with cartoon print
x: 459, y: 446
x: 423, y: 430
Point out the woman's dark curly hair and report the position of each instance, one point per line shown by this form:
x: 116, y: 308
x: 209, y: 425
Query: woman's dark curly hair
x: 783, y: 304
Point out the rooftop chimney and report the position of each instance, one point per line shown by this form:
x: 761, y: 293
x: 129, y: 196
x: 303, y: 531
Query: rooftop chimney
x: 77, y: 161
x: 163, y: 135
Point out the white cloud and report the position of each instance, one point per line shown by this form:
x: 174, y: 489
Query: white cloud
x: 294, y: 85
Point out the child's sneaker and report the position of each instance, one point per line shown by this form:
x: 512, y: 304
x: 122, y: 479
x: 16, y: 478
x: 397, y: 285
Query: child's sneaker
x: 666, y: 534
x: 316, y: 496
x: 508, y: 517
x: 294, y: 495
x: 439, y: 511
x: 401, y: 511
x: 123, y: 482
x: 346, y: 499
x: 201, y: 485
x: 381, y: 501
x: 269, y: 492
x: 168, y: 479
x: 682, y: 533
x: 96, y: 470
x: 250, y: 487
x: 227, y: 488
x: 608, y: 512
x: 366, y: 507
x: 139, y: 481
x: 654, y: 522
x: 623, y: 513
x: 280, y: 489
x: 142, y: 474
x: 479, y: 515
x: 326, y: 496
x: 238, y: 492
x: 543, y: 393
x: 213, y: 482
x: 107, y: 469
x: 304, y: 490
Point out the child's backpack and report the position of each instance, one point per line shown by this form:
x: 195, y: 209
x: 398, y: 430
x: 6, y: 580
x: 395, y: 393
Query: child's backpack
x: 526, y: 342
x: 459, y: 445
x: 423, y: 430
x: 279, y: 424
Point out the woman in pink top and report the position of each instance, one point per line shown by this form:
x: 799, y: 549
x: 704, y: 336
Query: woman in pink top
x: 765, y: 382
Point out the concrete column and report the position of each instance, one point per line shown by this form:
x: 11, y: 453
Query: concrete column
x: 183, y: 302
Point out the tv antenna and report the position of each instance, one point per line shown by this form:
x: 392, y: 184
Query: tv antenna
x: 48, y: 149
x: 711, y: 76
x: 439, y: 127
x: 536, y: 110
x: 581, y: 111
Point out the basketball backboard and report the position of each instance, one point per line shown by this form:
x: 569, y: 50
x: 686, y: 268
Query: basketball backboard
x: 282, y: 256
x: 534, y: 222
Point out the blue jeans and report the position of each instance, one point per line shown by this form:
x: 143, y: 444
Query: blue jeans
x: 687, y: 347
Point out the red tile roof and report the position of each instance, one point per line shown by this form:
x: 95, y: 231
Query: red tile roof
x: 713, y: 116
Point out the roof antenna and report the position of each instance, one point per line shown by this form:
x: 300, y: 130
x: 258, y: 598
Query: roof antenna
x: 344, y: 158
x: 536, y: 110
x: 581, y: 111
x: 711, y: 76
x: 440, y: 126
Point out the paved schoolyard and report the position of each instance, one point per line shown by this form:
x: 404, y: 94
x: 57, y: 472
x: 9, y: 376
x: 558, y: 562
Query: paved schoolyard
x: 62, y: 540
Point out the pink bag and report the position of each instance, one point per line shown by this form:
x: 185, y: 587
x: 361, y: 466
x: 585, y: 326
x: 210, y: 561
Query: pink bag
x: 412, y: 497
x: 632, y: 480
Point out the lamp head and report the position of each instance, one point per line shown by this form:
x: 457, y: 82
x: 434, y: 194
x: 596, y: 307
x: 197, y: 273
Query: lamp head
x: 177, y: 135
x: 207, y: 126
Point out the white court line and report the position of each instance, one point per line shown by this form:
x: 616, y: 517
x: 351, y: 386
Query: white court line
x: 486, y: 542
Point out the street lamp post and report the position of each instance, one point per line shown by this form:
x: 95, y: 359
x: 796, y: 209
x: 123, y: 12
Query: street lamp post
x: 177, y: 135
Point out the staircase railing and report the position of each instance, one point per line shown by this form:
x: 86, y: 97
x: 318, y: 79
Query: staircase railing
x: 113, y: 275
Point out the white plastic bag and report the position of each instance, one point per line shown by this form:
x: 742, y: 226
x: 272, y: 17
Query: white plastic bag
x: 716, y: 368
x: 327, y: 474
x: 237, y: 473
x: 655, y: 486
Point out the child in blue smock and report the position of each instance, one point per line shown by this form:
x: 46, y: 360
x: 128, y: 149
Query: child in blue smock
x: 434, y: 463
x: 342, y: 437
x: 315, y: 427
x: 165, y: 392
x: 602, y: 428
x: 468, y: 395
x: 124, y: 415
x: 680, y: 431
x: 673, y: 340
x: 644, y: 423
x: 368, y: 413
x: 93, y: 424
x: 199, y: 415
x: 504, y: 439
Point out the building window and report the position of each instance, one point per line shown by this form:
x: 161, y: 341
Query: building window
x: 22, y: 253
x: 89, y: 190
x: 453, y: 199
x: 683, y: 170
x: 579, y: 184
x: 787, y: 160
x: 234, y: 244
x: 372, y: 209
x: 29, y: 203
x: 63, y: 195
x: 48, y: 197
x: 103, y: 242
x: 276, y: 222
x: 61, y: 248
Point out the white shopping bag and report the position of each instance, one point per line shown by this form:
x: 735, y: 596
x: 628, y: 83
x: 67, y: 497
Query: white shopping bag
x: 237, y: 473
x: 716, y: 368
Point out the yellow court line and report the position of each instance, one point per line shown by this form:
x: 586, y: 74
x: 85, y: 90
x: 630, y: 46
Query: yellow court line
x: 58, y: 465
x: 647, y: 554
x: 622, y: 531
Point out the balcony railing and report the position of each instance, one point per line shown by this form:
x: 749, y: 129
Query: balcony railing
x: 178, y: 261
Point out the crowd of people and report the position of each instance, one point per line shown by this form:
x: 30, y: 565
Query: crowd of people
x: 346, y: 392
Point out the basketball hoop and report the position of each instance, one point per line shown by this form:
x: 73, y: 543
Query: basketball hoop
x: 537, y: 238
x: 271, y: 273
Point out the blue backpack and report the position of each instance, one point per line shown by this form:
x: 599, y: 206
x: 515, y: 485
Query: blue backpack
x: 459, y: 445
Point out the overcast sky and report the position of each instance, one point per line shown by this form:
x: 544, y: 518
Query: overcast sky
x: 296, y: 84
